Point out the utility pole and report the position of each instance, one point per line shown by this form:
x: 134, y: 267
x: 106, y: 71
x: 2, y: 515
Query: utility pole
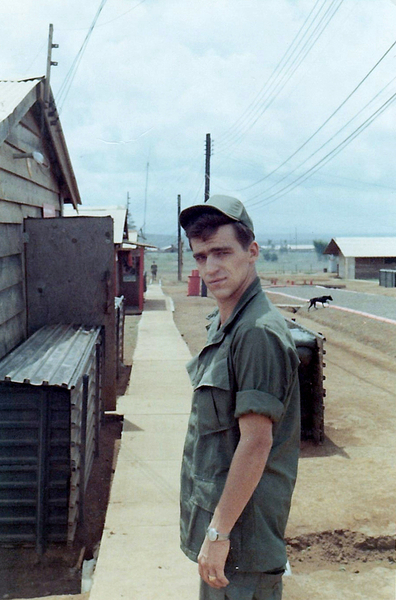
x: 129, y: 219
x: 208, y: 149
x: 145, y: 200
x: 50, y: 63
x: 179, y: 242
x: 208, y: 152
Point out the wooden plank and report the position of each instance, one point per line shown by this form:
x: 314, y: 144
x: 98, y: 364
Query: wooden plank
x: 12, y: 333
x: 290, y: 307
x: 31, y: 124
x: 11, y: 212
x: 10, y: 271
x: 27, y: 168
x: 23, y: 138
x: 12, y: 303
x: 10, y: 239
x: 22, y: 191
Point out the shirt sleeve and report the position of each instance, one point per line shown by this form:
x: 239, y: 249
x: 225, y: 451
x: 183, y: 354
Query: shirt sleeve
x: 264, y: 367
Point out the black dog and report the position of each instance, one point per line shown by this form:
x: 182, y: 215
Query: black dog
x: 322, y: 299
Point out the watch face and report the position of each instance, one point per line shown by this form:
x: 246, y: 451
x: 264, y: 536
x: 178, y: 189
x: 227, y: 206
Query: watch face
x: 212, y: 534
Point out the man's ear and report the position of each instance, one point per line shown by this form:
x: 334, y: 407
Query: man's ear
x: 254, y: 250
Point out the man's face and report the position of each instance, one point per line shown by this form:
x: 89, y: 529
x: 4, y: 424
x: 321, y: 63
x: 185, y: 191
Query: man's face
x: 226, y: 268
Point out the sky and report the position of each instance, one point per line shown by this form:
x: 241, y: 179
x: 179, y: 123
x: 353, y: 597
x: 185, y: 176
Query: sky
x: 298, y: 97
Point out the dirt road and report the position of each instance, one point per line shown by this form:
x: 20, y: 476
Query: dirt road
x: 341, y: 541
x: 341, y: 528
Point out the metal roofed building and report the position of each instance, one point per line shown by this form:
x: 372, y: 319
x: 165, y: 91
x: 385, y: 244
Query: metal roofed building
x: 30, y: 130
x: 36, y: 180
x: 361, y: 257
x: 119, y: 216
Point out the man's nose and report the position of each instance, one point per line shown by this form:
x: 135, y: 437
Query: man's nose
x: 211, y: 264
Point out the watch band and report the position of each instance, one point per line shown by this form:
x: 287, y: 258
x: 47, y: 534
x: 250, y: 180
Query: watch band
x: 214, y: 536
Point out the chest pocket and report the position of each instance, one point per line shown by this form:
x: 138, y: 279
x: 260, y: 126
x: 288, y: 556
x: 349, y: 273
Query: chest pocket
x: 215, y: 400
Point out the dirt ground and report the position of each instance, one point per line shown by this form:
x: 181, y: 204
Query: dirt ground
x: 23, y: 574
x: 342, y: 520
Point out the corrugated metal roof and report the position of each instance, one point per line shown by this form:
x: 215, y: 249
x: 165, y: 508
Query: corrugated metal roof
x: 128, y: 245
x: 363, y: 247
x: 51, y: 356
x: 118, y: 215
x: 15, y: 101
x: 133, y: 239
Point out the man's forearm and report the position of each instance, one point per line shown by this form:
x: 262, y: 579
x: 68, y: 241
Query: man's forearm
x: 245, y: 472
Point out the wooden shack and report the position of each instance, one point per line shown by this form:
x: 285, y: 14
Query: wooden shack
x: 52, y: 270
x: 131, y: 272
x: 36, y: 180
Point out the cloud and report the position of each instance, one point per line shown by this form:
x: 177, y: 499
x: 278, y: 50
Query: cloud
x: 154, y: 80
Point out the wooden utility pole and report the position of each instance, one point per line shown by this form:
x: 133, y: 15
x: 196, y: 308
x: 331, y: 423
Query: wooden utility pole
x: 50, y: 63
x: 145, y: 200
x: 204, y: 291
x: 208, y: 152
x: 179, y: 242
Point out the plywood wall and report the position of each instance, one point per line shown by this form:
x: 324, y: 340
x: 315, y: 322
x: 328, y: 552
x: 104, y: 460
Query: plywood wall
x: 25, y: 188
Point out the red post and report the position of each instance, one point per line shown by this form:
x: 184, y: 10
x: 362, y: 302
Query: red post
x: 194, y: 281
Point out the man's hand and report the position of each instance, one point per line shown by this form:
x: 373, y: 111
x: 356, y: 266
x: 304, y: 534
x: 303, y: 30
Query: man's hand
x: 245, y: 472
x: 211, y: 561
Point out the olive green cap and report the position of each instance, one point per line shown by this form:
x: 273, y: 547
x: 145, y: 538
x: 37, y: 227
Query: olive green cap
x: 226, y: 205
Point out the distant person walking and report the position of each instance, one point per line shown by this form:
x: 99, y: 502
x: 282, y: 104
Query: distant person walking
x: 242, y: 445
x: 154, y: 269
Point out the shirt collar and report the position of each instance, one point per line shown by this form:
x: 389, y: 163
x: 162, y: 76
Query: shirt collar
x: 216, y: 333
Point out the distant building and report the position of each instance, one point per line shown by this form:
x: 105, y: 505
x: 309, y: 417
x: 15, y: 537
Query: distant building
x: 301, y: 247
x: 361, y: 257
x: 288, y: 247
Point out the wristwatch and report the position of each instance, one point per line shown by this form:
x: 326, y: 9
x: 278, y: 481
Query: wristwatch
x: 215, y: 536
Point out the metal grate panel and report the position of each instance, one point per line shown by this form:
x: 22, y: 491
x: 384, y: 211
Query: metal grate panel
x: 49, y: 434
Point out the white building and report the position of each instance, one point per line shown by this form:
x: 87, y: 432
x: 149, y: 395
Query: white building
x: 361, y: 257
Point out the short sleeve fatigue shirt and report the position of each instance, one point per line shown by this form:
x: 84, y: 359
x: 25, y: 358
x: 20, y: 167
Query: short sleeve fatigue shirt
x: 249, y: 365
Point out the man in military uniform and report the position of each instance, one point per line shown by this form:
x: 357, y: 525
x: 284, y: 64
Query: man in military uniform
x: 240, y: 457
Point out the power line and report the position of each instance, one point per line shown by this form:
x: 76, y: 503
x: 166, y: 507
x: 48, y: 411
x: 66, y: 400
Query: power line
x: 65, y: 87
x: 35, y: 58
x: 327, y: 141
x: 323, y: 161
x: 121, y: 15
x: 106, y: 22
x: 288, y: 71
x: 324, y: 123
x: 284, y: 80
x: 256, y: 101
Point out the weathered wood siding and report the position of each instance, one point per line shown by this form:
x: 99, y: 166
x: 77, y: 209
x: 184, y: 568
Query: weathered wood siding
x: 25, y: 187
x: 369, y: 268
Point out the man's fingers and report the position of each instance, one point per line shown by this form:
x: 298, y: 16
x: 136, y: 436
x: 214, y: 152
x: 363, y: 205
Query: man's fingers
x: 216, y: 580
x: 222, y: 580
x: 211, y: 561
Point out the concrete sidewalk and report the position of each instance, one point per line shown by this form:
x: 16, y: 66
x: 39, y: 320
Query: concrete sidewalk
x: 139, y: 555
